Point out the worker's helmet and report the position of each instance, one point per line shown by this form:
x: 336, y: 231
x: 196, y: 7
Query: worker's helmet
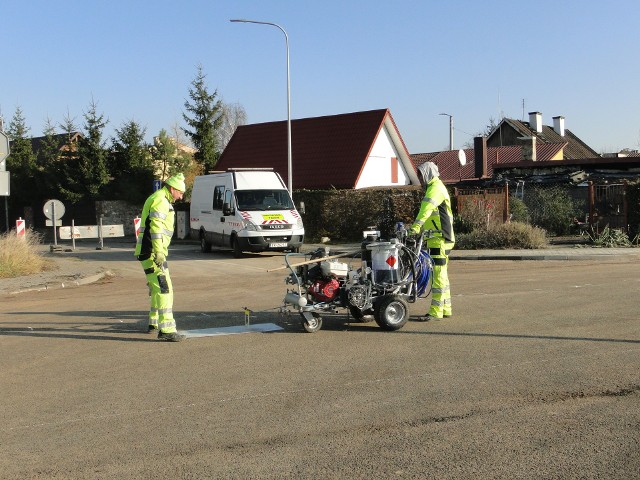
x: 177, y: 182
x: 428, y: 171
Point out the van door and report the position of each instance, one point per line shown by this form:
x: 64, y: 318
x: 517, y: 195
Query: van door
x: 218, y: 220
x: 229, y: 220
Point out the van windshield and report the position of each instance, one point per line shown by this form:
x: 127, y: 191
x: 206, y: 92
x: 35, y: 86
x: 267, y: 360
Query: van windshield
x: 263, y: 200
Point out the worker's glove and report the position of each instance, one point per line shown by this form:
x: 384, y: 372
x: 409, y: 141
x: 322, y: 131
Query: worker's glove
x: 415, y: 229
x: 159, y: 259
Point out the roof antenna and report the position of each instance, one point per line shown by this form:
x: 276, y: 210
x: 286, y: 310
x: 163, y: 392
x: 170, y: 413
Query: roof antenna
x: 523, y: 109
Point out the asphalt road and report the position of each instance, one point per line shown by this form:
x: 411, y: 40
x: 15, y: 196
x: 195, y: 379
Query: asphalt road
x: 535, y: 376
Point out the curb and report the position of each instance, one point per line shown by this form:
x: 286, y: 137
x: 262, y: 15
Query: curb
x: 530, y: 257
x: 60, y: 285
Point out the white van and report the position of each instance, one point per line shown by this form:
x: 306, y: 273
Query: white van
x: 247, y: 210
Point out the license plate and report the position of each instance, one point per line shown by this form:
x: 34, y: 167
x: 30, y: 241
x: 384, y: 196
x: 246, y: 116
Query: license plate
x: 277, y: 245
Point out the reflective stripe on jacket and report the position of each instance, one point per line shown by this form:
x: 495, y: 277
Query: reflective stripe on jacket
x: 156, y: 224
x: 435, y: 210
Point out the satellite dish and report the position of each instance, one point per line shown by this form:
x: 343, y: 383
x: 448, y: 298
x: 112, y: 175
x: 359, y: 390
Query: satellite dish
x: 462, y: 158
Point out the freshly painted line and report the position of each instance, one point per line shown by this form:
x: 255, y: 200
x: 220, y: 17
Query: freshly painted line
x: 211, y: 332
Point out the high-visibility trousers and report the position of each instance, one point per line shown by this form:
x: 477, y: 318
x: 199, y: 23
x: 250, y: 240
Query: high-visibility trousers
x: 441, y: 290
x: 161, y: 296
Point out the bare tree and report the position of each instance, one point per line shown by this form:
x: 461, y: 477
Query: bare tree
x: 233, y: 115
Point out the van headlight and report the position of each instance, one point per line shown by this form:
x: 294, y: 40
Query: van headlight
x: 250, y: 226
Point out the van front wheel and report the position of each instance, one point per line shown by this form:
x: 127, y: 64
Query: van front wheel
x: 237, y: 251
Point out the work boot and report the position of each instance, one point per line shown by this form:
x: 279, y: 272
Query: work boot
x: 425, y: 318
x: 152, y: 328
x: 170, y: 337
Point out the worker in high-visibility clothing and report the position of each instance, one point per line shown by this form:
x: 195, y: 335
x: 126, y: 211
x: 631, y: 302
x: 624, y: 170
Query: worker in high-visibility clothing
x: 152, y: 249
x: 435, y: 214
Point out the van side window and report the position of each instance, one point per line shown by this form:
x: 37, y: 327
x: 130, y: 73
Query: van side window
x: 218, y: 193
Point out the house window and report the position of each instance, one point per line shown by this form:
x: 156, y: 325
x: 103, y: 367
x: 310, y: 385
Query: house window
x: 394, y: 170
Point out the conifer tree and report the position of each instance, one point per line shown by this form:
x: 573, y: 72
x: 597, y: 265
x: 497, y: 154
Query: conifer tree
x: 203, y: 117
x: 130, y: 164
x: 92, y: 154
x: 65, y: 170
x: 47, y: 158
x: 21, y: 163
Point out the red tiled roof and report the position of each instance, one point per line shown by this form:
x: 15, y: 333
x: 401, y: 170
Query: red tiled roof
x: 451, y: 171
x: 326, y: 151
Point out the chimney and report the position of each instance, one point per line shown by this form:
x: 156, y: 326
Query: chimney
x: 528, y: 148
x: 480, y: 156
x: 558, y: 125
x: 535, y: 121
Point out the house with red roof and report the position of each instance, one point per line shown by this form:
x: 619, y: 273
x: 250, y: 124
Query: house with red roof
x: 515, y: 132
x: 512, y: 144
x: 346, y: 151
x: 452, y: 171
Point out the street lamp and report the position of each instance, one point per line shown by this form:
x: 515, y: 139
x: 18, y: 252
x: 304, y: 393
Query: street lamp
x: 450, y: 129
x: 286, y: 39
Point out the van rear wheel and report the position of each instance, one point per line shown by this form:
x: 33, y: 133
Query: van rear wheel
x: 205, y: 246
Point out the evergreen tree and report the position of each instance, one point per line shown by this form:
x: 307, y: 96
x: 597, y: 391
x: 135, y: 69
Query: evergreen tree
x: 64, y: 172
x: 92, y: 154
x: 128, y: 150
x: 205, y: 119
x: 130, y: 164
x: 47, y: 158
x: 21, y: 164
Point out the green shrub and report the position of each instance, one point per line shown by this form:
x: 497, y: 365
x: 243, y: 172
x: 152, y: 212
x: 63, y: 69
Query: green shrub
x: 610, y: 238
x: 503, y: 235
x: 462, y: 224
x: 518, y: 210
x: 551, y: 208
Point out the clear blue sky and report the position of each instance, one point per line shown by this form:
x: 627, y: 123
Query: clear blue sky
x: 472, y: 59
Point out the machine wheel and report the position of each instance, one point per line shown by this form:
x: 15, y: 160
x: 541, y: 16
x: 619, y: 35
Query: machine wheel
x: 312, y: 323
x: 235, y: 244
x: 392, y: 312
x: 205, y: 246
x: 362, y: 316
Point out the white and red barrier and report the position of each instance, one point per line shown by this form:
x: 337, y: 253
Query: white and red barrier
x: 136, y: 225
x: 20, y: 232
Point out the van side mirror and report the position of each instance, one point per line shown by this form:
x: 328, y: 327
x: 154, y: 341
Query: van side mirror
x: 226, y: 209
x: 301, y: 209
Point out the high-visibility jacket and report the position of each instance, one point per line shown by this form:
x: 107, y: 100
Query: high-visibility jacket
x: 435, y: 212
x: 156, y: 224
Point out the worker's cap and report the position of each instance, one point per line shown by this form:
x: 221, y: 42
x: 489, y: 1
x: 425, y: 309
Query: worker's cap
x: 177, y: 182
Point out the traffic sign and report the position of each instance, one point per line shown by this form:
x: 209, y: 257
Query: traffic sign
x: 4, y: 150
x: 4, y: 184
x: 53, y: 208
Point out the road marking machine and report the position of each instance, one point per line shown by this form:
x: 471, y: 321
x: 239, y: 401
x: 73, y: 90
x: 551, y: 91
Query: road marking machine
x: 376, y: 283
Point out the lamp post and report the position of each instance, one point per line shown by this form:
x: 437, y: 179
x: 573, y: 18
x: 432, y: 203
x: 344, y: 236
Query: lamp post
x: 286, y: 39
x: 450, y: 129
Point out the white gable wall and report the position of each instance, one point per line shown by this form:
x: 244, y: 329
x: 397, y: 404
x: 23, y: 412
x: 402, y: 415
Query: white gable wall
x: 377, y: 168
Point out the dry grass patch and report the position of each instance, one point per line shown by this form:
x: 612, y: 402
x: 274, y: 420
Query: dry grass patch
x: 503, y: 235
x: 19, y: 255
